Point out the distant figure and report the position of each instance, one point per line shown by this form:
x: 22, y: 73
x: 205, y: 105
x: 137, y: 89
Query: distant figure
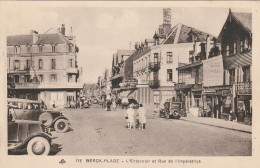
x: 54, y: 104
x: 114, y: 105
x: 130, y: 117
x: 109, y: 105
x: 142, y: 117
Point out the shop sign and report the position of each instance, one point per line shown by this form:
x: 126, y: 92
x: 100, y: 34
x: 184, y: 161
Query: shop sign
x: 213, y: 71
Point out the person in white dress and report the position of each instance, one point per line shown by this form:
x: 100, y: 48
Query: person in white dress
x: 130, y: 117
x: 142, y: 116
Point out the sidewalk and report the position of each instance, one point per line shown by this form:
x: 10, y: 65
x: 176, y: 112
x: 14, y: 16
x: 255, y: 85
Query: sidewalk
x: 232, y: 125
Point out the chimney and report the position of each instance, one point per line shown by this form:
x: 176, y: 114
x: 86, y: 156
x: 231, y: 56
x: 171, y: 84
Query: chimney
x: 207, y: 46
x: 136, y: 45
x: 63, y: 29
x: 35, y: 36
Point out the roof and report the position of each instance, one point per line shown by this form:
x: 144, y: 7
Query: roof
x: 242, y: 59
x: 19, y: 40
x: 141, y: 52
x: 121, y: 53
x: 187, y: 66
x: 182, y: 32
x: 245, y: 19
x: 46, y: 38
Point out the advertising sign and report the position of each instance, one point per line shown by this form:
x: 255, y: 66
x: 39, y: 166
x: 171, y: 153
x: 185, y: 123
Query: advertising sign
x: 213, y: 71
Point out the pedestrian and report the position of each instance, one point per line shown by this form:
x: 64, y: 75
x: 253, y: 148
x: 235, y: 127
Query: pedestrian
x: 142, y: 117
x: 114, y: 105
x: 108, y: 105
x: 130, y: 113
x: 54, y: 104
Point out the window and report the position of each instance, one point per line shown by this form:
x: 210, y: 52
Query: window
x: 246, y: 74
x: 156, y: 59
x: 16, y: 49
x: 40, y: 77
x: 53, y: 63
x: 70, y: 48
x: 16, y: 78
x: 227, y: 50
x: 70, y: 63
x: 40, y: 48
x: 231, y: 76
x: 235, y: 48
x: 169, y: 74
x: 40, y: 64
x: 169, y: 57
x: 27, y: 66
x: 246, y: 45
x: 27, y: 78
x: 53, y: 78
x: 53, y: 48
x: 16, y: 64
x: 70, y: 79
x: 28, y: 49
x: 241, y: 46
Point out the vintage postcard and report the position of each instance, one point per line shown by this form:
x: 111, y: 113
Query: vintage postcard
x: 129, y: 84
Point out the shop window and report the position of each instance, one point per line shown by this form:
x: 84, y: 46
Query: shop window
x: 169, y: 74
x: 169, y: 57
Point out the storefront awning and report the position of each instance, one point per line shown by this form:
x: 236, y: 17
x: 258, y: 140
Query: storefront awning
x: 242, y: 59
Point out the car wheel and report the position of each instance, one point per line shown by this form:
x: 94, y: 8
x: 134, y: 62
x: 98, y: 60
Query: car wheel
x: 46, y: 118
x: 61, y: 125
x: 176, y: 114
x: 38, y: 146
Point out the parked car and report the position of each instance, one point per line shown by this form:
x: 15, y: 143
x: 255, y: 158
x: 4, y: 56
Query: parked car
x: 28, y: 134
x: 30, y: 110
x: 172, y: 110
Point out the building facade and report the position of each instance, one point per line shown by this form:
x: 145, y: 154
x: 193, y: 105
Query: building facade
x: 44, y: 67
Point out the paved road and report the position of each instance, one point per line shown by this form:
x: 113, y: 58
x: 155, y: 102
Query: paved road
x: 98, y: 132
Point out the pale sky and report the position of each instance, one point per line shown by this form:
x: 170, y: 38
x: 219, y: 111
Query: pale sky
x: 101, y: 31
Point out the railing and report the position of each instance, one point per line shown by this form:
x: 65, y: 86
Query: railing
x: 29, y: 85
x: 154, y: 84
x: 154, y: 66
x: 243, y: 88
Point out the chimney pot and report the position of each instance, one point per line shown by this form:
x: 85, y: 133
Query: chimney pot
x: 63, y: 29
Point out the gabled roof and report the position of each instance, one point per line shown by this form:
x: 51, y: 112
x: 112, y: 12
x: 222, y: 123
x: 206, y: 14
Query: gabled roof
x: 245, y: 19
x: 46, y: 38
x: 180, y: 33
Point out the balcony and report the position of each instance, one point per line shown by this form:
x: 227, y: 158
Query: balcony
x: 244, y: 88
x: 154, y: 84
x: 30, y: 85
x: 154, y: 66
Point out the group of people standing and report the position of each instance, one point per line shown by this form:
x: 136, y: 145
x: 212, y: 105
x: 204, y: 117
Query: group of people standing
x: 140, y: 118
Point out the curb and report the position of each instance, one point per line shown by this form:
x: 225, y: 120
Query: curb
x: 250, y: 132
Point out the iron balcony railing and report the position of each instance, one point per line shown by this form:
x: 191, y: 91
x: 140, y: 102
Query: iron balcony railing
x: 244, y: 88
x: 154, y: 66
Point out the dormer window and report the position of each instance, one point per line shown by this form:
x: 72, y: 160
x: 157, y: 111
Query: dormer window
x: 53, y: 48
x: 40, y: 48
x: 16, y: 48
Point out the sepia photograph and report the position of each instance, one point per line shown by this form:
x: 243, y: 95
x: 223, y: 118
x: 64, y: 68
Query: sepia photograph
x: 128, y: 81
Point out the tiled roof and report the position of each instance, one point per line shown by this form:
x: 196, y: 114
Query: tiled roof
x: 54, y: 38
x: 242, y: 59
x: 245, y: 19
x: 186, y: 30
x: 141, y: 52
x: 184, y: 33
x: 187, y: 66
x: 19, y: 40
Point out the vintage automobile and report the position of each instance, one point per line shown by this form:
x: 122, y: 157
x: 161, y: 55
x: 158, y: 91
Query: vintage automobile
x: 171, y: 110
x: 28, y: 134
x: 30, y: 110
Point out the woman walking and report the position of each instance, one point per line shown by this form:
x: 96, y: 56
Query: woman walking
x: 130, y: 117
x: 142, y: 117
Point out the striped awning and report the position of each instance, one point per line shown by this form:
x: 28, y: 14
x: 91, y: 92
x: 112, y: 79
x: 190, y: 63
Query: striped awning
x: 241, y: 59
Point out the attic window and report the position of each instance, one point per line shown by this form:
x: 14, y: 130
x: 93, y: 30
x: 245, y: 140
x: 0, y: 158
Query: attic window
x: 40, y: 48
x: 53, y: 48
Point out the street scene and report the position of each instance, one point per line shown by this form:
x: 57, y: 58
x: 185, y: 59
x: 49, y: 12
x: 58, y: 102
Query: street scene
x: 183, y: 89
